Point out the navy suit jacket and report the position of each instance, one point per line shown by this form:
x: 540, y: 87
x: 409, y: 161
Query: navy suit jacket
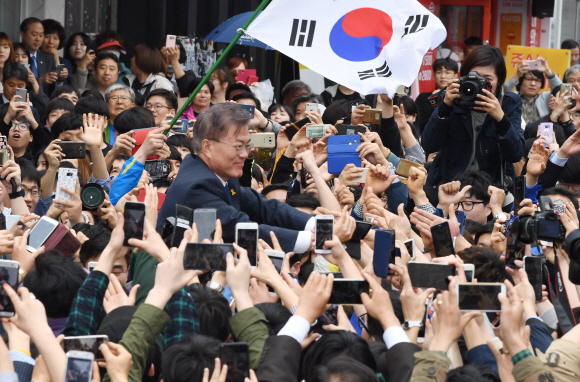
x: 45, y: 64
x: 197, y: 186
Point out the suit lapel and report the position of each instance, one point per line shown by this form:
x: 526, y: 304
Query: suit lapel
x: 234, y: 193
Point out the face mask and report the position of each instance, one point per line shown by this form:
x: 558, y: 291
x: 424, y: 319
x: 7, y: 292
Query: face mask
x: 115, y: 52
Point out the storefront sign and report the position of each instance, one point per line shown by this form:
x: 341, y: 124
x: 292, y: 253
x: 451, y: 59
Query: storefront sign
x: 510, y: 30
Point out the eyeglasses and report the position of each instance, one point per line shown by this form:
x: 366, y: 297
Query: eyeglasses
x: 20, y: 126
x: 361, y: 322
x: 533, y: 79
x: 123, y: 99
x: 157, y: 107
x: 468, y: 205
x: 239, y: 147
x: 35, y: 192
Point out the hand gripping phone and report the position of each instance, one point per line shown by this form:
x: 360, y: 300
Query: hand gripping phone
x: 79, y: 366
x: 348, y: 291
x: 86, y: 344
x: 237, y: 356
x: 134, y: 226
x: 324, y: 232
x: 479, y: 297
x: 247, y: 235
x: 206, y: 256
x: 40, y: 233
x: 73, y: 150
x: 67, y: 177
x: 204, y: 219
x: 8, y: 275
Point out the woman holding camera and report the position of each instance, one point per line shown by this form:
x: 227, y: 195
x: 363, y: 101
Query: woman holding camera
x: 483, y: 134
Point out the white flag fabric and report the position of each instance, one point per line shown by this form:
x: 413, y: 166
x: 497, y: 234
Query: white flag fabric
x: 371, y: 46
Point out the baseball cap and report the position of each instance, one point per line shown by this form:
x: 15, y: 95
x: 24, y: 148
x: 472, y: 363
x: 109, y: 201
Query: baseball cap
x: 110, y: 44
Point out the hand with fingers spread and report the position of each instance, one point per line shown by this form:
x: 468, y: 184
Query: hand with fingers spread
x: 265, y: 271
x: 118, y: 361
x: 571, y: 146
x: 537, y: 162
x: 116, y: 297
x: 314, y: 296
x: 378, y: 305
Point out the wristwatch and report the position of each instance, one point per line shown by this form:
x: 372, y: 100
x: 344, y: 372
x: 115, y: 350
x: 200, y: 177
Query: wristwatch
x: 503, y: 216
x: 16, y: 194
x: 215, y: 286
x: 412, y: 324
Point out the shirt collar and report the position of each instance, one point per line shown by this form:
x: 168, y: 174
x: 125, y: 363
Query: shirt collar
x: 221, y: 180
x: 4, y: 99
x: 34, y: 55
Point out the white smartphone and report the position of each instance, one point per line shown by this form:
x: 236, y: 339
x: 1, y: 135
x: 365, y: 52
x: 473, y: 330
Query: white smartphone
x: 11, y: 220
x: 9, y: 275
x: 170, y: 41
x: 324, y: 232
x: 92, y: 265
x: 479, y: 297
x: 79, y: 366
x: 40, y: 233
x: 313, y: 107
x: 363, y: 175
x: 263, y: 140
x: 86, y: 344
x: 247, y: 235
x: 277, y: 258
x: 316, y: 131
x: 410, y: 245
x: 469, y: 270
x: 67, y: 177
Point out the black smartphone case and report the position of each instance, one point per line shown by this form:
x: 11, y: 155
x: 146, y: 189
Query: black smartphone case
x: 73, y: 150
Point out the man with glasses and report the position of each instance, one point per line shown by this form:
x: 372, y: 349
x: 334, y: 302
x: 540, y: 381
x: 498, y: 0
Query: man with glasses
x: 162, y: 104
x: 209, y: 179
x: 119, y: 98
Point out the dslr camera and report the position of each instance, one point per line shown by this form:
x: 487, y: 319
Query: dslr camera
x: 469, y: 87
x: 544, y: 225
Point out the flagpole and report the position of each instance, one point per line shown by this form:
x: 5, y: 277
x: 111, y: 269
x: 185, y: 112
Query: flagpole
x: 217, y: 64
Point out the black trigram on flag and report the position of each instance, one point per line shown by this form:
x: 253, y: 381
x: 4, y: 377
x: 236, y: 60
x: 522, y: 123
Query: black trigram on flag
x: 415, y: 24
x: 306, y: 32
x: 382, y: 71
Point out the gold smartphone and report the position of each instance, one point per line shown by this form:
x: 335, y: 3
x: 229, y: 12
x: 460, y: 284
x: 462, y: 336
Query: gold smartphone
x: 405, y: 166
x: 263, y: 140
x: 4, y: 156
x: 372, y: 116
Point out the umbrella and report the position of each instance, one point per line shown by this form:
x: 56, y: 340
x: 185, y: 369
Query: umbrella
x: 228, y: 30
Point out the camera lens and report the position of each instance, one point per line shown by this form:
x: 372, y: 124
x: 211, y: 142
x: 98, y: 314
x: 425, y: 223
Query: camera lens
x: 92, y: 196
x: 468, y: 90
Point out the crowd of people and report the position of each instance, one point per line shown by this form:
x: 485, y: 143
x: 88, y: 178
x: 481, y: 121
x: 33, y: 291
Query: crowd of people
x: 167, y: 323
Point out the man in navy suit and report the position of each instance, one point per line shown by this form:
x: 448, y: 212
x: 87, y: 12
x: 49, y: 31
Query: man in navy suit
x: 209, y: 179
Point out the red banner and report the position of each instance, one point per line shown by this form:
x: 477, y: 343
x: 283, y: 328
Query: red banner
x: 534, y: 28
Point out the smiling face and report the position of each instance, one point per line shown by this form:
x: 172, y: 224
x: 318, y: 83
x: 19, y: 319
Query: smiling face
x: 33, y: 37
x: 223, y: 158
x: 280, y: 115
x: 78, y: 48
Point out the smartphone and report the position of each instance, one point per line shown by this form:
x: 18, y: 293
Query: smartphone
x: 8, y: 274
x: 348, y: 291
x: 404, y: 167
x: 547, y: 131
x: 372, y: 116
x: 469, y: 270
x: 277, y: 258
x: 461, y: 218
x: 22, y: 93
x: 410, y: 245
x: 316, y: 131
x: 442, y: 240
x: 183, y: 220
x: 204, y: 219
x: 363, y: 175
x: 134, y: 226
x: 535, y: 65
x: 479, y: 297
x: 250, y: 109
x: 79, y: 366
x: 519, y: 192
x: 40, y: 233
x: 158, y: 168
x: 190, y: 124
x: 324, y: 232
x: 313, y: 107
x: 73, y: 150
x: 170, y: 41
x: 247, y: 235
x: 179, y: 127
x: 237, y: 356
x: 569, y: 88
x: 350, y: 129
x: 3, y: 142
x: 92, y: 265
x: 4, y: 156
x: 206, y: 256
x: 11, y: 220
x: 515, y: 249
x: 67, y: 177
x: 533, y: 267
x: 296, y: 126
x: 383, y: 252
x: 361, y: 231
x: 86, y: 344
x: 263, y: 140
x: 559, y: 207
x: 59, y: 69
x: 430, y: 275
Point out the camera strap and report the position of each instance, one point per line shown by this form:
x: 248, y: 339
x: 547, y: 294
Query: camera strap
x: 558, y: 296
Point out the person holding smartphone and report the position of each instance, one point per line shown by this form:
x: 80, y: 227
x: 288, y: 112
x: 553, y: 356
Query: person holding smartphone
x: 483, y: 137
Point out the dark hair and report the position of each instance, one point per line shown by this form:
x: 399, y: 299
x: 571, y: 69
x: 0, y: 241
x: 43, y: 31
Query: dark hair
x: 25, y: 24
x: 58, y: 104
x: 134, y: 118
x: 14, y: 70
x: 561, y: 191
x: 305, y: 272
x: 107, y: 56
x: 175, y: 154
x: 215, y: 122
x: 194, y: 83
x: 277, y: 106
x: 86, y: 39
x: 343, y: 368
x: 479, y: 182
x: 489, y: 268
x: 186, y: 359
x: 336, y: 111
x: 333, y: 344
x: 98, y: 236
x: 535, y: 73
x: 4, y: 38
x: 276, y: 316
x: 274, y: 187
x: 213, y: 312
x: 571, y: 173
x: 169, y: 97
x: 445, y: 63
x: 21, y: 45
x: 236, y: 86
x: 64, y: 89
x: 306, y: 97
x: 485, y: 229
x: 303, y: 200
x: 54, y: 27
x: 248, y: 95
x: 257, y: 173
x: 139, y: 99
x: 408, y: 104
x: 106, y: 36
x: 149, y: 59
x: 55, y: 281
x: 28, y: 170
x: 473, y: 41
x: 66, y: 122
x: 485, y: 55
x: 92, y: 104
x: 295, y: 84
x: 224, y: 75
x: 92, y: 93
x: 472, y: 373
x: 179, y: 140
x: 162, y: 183
x: 37, y: 156
x: 566, y: 44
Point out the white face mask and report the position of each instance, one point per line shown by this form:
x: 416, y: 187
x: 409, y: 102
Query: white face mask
x: 115, y: 52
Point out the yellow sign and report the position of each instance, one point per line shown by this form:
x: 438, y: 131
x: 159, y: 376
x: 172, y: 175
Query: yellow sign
x: 558, y: 59
x: 510, y: 30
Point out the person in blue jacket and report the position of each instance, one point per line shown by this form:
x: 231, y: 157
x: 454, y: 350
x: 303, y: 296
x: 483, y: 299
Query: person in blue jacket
x: 484, y: 138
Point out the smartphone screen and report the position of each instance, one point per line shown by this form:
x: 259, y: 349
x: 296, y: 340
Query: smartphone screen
x: 248, y: 239
x: 348, y: 291
x: 515, y: 249
x: 442, y: 240
x: 430, y: 275
x: 204, y: 220
x: 479, y: 297
x: 237, y: 356
x: 40, y: 232
x: 206, y: 256
x: 324, y: 231
x: 9, y: 275
x: 78, y: 370
x: 533, y: 267
x: 277, y: 258
x: 86, y: 343
x: 519, y: 191
x: 134, y: 226
x: 461, y: 218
